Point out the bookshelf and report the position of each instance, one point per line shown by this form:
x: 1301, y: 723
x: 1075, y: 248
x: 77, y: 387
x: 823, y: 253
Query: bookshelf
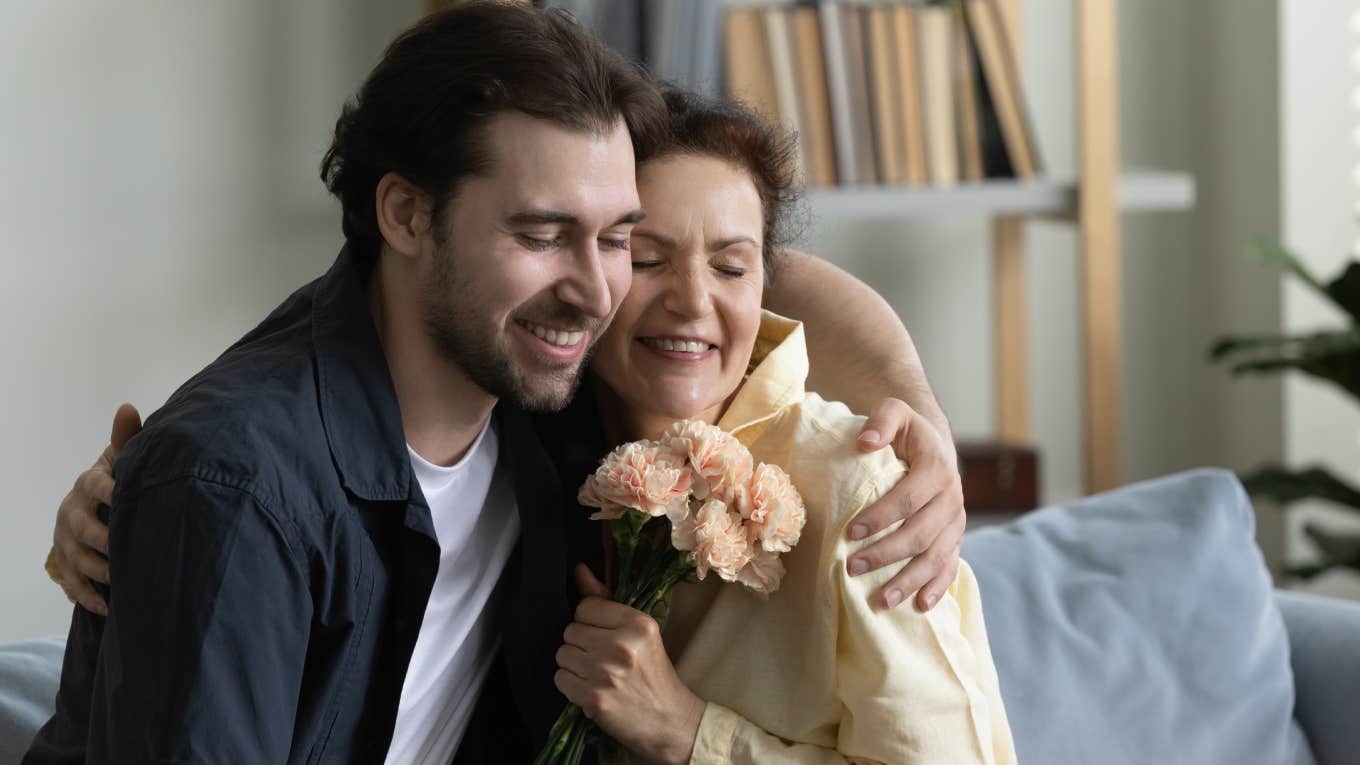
x: 1092, y: 202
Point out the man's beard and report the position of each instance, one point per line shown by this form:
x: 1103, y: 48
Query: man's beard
x: 460, y: 331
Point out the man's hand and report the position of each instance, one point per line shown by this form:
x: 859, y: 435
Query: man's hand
x: 929, y: 498
x: 80, y: 541
x: 615, y: 668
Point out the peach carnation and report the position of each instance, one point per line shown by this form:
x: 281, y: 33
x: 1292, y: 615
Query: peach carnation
x: 773, y: 510
x: 763, y: 572
x: 640, y: 476
x: 719, y: 542
x: 719, y: 461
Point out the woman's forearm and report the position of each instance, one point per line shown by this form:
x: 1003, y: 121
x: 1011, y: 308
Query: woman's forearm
x: 861, y: 352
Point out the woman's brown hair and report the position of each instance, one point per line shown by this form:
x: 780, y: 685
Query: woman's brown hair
x: 735, y: 133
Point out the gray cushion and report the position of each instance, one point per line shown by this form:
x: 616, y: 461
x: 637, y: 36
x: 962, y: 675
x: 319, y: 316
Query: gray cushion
x: 1139, y: 626
x: 1324, y: 642
x: 29, y: 673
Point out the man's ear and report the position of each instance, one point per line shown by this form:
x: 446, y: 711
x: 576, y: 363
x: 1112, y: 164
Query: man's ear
x: 403, y: 212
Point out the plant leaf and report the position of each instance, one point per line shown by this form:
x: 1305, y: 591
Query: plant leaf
x: 1344, y: 290
x: 1340, y: 548
x: 1278, y: 256
x: 1332, y: 355
x: 1285, y: 486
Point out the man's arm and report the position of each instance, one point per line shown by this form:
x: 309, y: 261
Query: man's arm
x: 862, y: 355
x: 861, y: 352
x: 206, y: 638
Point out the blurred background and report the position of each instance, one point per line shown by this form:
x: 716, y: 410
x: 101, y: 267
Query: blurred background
x: 160, y: 196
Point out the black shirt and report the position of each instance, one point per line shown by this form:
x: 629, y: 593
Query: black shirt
x: 271, y: 557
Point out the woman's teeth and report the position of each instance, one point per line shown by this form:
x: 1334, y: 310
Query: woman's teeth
x: 682, y: 346
x: 555, y: 337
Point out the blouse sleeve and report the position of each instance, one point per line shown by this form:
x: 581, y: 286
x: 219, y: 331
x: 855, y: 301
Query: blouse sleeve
x: 915, y: 688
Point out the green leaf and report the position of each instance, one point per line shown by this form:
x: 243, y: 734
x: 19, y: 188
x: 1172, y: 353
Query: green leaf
x: 1340, y: 548
x: 1274, y: 254
x: 1345, y: 290
x: 1285, y: 486
x: 1331, y: 355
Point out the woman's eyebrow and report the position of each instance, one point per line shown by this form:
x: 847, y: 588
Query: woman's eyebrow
x: 723, y: 244
x: 660, y: 240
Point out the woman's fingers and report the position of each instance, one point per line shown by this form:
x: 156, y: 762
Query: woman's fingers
x: 127, y: 422
x: 76, y: 586
x: 90, y: 564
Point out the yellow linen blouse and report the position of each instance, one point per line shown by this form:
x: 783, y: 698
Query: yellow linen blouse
x: 814, y: 674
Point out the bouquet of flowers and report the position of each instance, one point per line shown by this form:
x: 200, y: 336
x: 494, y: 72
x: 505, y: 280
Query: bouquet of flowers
x: 691, y: 501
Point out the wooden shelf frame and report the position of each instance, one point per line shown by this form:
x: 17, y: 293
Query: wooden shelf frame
x: 1138, y: 191
x: 1093, y: 202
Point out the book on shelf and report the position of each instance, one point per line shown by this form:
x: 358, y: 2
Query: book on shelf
x: 861, y: 122
x: 1001, y: 73
x: 838, y: 91
x: 936, y: 29
x: 965, y: 84
x: 909, y: 95
x: 889, y: 134
x: 817, y: 142
x: 886, y: 92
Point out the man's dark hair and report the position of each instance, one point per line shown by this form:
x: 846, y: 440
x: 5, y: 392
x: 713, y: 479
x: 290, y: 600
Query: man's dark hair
x: 423, y: 110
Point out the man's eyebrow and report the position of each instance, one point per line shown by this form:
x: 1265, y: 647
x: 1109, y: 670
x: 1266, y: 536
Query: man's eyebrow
x: 557, y: 217
x: 541, y: 217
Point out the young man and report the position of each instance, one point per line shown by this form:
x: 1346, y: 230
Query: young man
x: 327, y: 545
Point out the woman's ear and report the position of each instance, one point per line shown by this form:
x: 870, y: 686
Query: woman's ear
x: 403, y: 212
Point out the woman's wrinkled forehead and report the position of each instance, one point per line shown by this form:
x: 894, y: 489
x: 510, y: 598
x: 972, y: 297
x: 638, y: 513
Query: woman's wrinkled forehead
x: 686, y: 195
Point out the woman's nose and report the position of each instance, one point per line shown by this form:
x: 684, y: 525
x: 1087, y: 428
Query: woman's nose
x: 688, y: 293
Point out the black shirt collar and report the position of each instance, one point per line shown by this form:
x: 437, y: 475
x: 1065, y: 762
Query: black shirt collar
x: 359, y: 408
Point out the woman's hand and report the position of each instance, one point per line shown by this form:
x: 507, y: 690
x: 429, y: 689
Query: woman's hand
x: 80, y: 541
x: 615, y: 668
x: 929, y: 498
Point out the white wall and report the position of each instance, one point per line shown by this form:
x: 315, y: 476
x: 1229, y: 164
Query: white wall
x: 159, y: 197
x: 1319, y: 112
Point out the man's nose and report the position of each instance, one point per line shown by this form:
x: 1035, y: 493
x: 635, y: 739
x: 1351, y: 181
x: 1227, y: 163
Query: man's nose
x: 586, y: 287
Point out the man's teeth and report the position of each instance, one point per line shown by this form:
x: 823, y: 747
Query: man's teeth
x: 555, y: 337
x: 682, y: 346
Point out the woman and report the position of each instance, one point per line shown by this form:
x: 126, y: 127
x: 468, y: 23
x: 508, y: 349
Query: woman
x: 812, y: 674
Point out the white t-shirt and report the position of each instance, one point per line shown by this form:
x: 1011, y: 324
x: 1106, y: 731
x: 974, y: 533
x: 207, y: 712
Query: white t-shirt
x: 477, y: 523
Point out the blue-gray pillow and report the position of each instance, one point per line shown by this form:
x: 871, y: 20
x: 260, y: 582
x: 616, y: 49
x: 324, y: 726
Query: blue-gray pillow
x: 29, y: 673
x: 1139, y: 626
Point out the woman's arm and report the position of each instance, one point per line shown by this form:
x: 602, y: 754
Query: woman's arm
x: 862, y: 355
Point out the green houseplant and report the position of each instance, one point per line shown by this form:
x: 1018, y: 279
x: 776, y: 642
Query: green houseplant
x: 1329, y: 354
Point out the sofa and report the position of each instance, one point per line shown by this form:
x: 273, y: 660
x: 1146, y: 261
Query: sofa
x: 1138, y: 626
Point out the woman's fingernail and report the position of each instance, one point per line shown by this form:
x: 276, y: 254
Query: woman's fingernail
x: 869, y: 436
x: 930, y: 600
x: 892, y: 598
x: 858, y: 566
x: 859, y: 531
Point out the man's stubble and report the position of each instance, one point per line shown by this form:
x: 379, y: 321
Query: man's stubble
x: 461, y: 331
